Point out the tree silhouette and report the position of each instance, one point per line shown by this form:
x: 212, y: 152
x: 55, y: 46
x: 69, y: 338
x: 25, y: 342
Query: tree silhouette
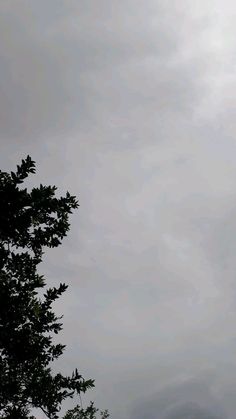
x: 29, y: 222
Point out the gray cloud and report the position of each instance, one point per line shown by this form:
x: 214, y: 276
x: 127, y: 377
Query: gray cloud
x: 131, y: 107
x: 191, y: 399
x: 88, y: 64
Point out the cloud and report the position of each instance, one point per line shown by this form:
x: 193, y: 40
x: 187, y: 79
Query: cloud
x: 86, y: 64
x: 130, y: 106
x: 191, y: 399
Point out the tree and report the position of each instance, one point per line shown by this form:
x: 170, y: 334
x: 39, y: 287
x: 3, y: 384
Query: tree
x: 29, y: 222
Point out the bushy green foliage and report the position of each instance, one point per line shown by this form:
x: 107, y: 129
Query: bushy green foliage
x: 88, y: 413
x: 29, y: 222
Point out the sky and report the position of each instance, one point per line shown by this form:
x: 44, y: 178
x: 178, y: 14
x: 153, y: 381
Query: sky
x: 130, y: 105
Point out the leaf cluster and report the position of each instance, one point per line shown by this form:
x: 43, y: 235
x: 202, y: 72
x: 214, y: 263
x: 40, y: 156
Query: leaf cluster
x: 29, y: 222
x: 90, y: 412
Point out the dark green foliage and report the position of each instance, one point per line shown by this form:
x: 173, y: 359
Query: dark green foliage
x: 88, y: 413
x: 30, y: 221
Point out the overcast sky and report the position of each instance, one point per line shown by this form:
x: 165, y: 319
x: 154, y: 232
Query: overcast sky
x: 131, y: 105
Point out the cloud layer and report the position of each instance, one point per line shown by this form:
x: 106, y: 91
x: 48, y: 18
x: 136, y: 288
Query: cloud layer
x: 130, y: 105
